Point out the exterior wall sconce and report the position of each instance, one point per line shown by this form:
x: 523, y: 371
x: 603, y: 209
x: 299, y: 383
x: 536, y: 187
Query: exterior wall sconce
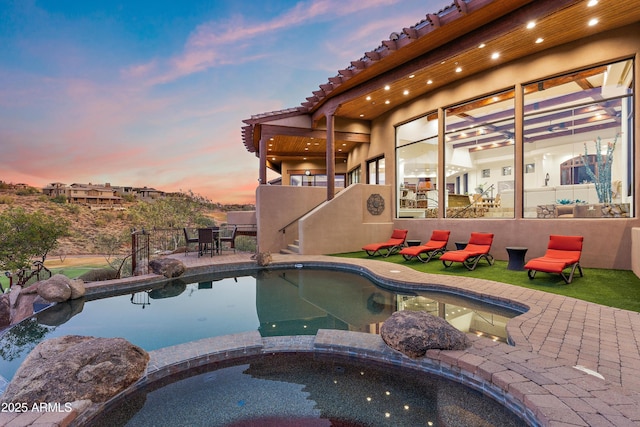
x: 307, y: 172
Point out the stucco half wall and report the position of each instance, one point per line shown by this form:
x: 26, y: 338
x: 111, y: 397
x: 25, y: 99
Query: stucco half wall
x: 287, y: 214
x: 345, y: 224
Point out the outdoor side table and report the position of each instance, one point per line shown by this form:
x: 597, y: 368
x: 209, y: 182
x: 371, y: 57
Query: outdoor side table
x: 413, y: 242
x: 516, y: 257
x: 461, y: 245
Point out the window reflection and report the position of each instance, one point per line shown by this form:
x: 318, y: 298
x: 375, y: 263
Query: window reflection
x: 565, y: 117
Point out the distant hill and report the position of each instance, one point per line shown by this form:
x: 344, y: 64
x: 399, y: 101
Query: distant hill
x: 86, y: 224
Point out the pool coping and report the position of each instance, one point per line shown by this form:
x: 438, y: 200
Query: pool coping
x: 536, y: 378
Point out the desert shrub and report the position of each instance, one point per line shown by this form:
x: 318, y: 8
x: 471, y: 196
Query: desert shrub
x: 5, y: 199
x: 29, y: 191
x: 99, y: 275
x: 246, y: 243
x: 60, y: 198
x: 73, y: 208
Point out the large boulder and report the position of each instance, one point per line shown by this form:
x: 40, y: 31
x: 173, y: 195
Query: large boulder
x: 72, y: 368
x: 77, y: 288
x: 61, y: 312
x: 55, y: 289
x: 415, y: 332
x: 168, y: 267
x: 5, y: 311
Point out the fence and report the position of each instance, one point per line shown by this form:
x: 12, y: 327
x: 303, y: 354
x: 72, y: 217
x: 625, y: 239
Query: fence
x: 148, y: 244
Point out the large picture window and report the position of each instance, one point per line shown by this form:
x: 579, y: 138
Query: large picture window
x: 376, y: 171
x: 417, y: 167
x: 479, y: 157
x: 578, y: 135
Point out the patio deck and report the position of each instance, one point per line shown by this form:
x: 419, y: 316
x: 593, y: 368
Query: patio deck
x: 536, y: 376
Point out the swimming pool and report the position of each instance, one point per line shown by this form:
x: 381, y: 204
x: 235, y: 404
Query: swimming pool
x: 306, y: 390
x: 274, y: 302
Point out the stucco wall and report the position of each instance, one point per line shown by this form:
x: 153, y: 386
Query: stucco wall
x: 608, y: 243
x: 342, y: 225
x: 635, y: 250
x: 242, y: 217
x: 345, y: 224
x: 279, y: 206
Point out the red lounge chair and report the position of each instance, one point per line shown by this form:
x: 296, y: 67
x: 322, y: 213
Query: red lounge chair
x: 562, y: 252
x: 437, y: 245
x: 394, y: 244
x: 478, y: 248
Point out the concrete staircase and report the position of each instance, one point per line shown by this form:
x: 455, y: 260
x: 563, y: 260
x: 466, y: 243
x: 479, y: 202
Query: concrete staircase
x: 292, y: 248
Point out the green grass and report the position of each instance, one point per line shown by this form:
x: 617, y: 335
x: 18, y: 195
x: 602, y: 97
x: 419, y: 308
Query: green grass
x: 613, y: 288
x: 70, y: 272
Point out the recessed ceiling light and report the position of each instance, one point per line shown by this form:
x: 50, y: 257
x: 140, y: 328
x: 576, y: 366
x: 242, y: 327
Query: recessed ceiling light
x: 406, y: 92
x: 361, y: 115
x: 592, y: 3
x: 412, y: 76
x: 387, y: 87
x: 429, y: 81
x: 481, y: 45
x: 387, y: 102
x: 593, y: 22
x: 531, y: 24
x: 273, y: 158
x: 368, y: 98
x: 539, y: 40
x: 495, y: 55
x: 458, y: 69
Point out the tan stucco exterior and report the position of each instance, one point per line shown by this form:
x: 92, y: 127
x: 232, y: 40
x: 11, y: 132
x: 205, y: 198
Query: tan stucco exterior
x: 341, y: 225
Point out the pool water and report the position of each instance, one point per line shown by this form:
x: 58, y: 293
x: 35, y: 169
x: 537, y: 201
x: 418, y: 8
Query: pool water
x: 305, y: 390
x: 274, y: 302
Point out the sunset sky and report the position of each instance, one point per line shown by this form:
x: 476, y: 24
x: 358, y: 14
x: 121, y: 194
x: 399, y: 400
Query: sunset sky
x: 153, y: 92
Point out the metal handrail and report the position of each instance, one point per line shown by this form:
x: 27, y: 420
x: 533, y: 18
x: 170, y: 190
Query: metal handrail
x: 466, y: 208
x: 298, y: 218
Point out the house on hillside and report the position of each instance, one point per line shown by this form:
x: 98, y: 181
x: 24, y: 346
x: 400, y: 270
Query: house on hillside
x: 85, y: 194
x: 93, y: 195
x: 147, y: 193
x: 55, y: 189
x: 511, y: 117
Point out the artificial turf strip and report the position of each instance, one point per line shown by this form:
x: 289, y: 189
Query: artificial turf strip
x: 613, y: 288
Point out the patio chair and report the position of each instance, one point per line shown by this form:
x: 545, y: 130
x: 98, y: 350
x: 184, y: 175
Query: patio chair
x: 393, y: 245
x: 478, y: 248
x: 207, y: 240
x: 562, y: 252
x: 188, y: 240
x: 437, y: 245
x: 228, y: 235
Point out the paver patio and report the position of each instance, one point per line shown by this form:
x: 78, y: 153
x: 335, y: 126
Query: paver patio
x: 536, y: 377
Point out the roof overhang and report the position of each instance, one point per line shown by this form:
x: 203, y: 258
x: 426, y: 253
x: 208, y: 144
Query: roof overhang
x: 423, y: 58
